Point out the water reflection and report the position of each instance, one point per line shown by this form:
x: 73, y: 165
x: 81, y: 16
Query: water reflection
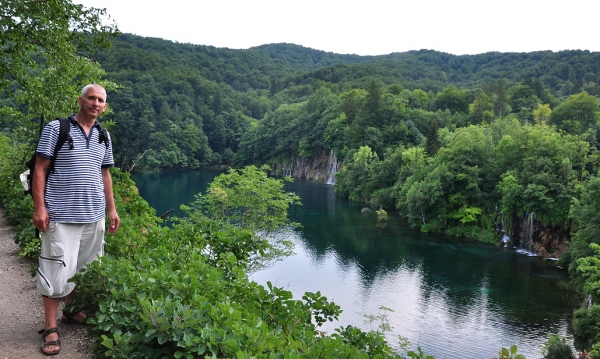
x: 454, y: 298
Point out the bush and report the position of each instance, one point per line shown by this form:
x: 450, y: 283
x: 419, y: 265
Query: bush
x: 18, y: 206
x: 557, y: 348
x: 586, y: 323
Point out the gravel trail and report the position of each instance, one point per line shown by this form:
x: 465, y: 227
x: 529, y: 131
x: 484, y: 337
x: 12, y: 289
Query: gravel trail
x: 21, y: 311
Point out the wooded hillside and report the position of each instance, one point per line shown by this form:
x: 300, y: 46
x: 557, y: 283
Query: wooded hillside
x: 190, y: 105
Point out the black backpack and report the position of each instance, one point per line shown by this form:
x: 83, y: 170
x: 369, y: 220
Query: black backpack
x: 63, y: 136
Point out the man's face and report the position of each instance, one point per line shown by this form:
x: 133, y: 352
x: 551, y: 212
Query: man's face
x: 93, y: 103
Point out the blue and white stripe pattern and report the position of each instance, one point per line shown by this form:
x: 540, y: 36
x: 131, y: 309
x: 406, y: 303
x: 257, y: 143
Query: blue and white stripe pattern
x: 75, y: 191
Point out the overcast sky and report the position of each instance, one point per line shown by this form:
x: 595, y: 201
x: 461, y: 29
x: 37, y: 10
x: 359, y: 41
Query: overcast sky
x: 372, y: 27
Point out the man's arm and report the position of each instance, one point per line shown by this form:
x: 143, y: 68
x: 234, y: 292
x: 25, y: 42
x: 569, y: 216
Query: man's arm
x: 38, y: 190
x: 111, y: 209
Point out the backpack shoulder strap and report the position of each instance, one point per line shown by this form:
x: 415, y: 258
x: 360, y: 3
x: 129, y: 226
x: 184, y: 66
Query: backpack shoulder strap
x: 63, y: 136
x: 102, y: 134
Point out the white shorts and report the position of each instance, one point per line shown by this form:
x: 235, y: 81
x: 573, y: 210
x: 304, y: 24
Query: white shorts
x: 66, y: 249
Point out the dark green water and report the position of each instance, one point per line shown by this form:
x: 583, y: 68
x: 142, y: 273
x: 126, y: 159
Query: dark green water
x: 453, y: 297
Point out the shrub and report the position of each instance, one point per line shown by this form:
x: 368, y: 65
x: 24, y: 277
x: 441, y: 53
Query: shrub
x: 557, y: 348
x: 586, y: 322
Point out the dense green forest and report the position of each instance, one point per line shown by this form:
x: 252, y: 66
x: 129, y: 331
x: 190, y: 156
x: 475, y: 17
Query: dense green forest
x: 192, y: 106
x: 468, y: 145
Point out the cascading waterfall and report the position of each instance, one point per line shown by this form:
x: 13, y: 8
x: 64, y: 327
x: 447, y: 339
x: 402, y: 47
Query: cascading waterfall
x: 286, y: 171
x: 332, y: 168
x: 530, y: 239
x: 500, y: 227
x: 505, y: 237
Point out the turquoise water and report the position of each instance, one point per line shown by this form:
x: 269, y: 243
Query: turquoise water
x: 452, y: 297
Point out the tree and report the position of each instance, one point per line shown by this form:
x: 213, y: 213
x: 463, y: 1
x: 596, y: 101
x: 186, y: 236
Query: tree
x: 523, y: 101
x: 577, y: 114
x: 501, y: 98
x: 433, y: 143
x: 45, y: 59
x: 357, y: 178
x: 585, y: 211
x: 482, y: 109
x: 371, y: 111
x: 452, y: 99
x: 249, y: 199
x: 542, y: 114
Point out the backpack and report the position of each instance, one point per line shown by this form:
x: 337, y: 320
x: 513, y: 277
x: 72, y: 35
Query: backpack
x: 63, y: 136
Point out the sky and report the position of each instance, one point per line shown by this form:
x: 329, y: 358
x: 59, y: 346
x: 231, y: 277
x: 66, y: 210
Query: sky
x: 373, y: 27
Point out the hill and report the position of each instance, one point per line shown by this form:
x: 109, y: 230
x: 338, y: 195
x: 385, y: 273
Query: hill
x: 189, y: 105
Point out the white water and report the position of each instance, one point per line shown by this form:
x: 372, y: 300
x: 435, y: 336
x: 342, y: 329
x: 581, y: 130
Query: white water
x: 332, y: 168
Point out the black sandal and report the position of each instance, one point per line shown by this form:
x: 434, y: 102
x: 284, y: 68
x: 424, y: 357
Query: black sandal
x: 69, y: 318
x: 46, y: 344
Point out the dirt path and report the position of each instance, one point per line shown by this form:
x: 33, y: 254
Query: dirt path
x: 21, y: 312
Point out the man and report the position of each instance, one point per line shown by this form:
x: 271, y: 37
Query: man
x: 70, y: 205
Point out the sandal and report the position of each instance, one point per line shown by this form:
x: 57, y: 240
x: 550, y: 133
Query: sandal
x: 69, y: 318
x: 46, y: 344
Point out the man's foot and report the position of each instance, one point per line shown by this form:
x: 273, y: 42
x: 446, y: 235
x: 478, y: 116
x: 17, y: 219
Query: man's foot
x: 74, y: 318
x: 50, y: 341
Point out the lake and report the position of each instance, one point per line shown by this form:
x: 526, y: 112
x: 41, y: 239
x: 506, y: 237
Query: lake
x: 453, y: 297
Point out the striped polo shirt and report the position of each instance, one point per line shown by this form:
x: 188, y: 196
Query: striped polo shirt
x: 75, y: 191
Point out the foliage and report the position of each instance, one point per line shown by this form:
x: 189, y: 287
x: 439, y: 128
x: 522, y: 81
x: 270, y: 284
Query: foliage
x: 510, y: 353
x: 43, y: 62
x: 585, y: 211
x: 577, y: 114
x: 18, y: 206
x: 382, y: 215
x: 557, y: 348
x: 419, y: 354
x: 248, y: 198
x: 192, y: 106
x: 586, y: 323
x: 589, y: 268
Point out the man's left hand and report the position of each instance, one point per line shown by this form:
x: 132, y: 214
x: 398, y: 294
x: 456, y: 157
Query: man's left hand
x: 114, y: 222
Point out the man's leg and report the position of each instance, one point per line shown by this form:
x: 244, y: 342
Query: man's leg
x: 50, y: 310
x: 90, y: 247
x: 58, y: 262
x: 75, y: 317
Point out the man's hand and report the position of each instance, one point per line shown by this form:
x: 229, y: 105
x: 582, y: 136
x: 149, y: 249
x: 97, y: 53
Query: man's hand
x: 114, y: 221
x: 41, y: 220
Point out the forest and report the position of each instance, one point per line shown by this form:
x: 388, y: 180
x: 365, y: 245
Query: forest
x: 473, y: 145
x: 192, y: 106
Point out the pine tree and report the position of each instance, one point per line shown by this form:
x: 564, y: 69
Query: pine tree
x: 433, y: 143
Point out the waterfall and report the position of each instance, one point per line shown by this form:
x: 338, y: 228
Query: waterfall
x: 505, y: 237
x: 287, y: 171
x: 331, y: 168
x: 527, y: 228
x: 530, y: 239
